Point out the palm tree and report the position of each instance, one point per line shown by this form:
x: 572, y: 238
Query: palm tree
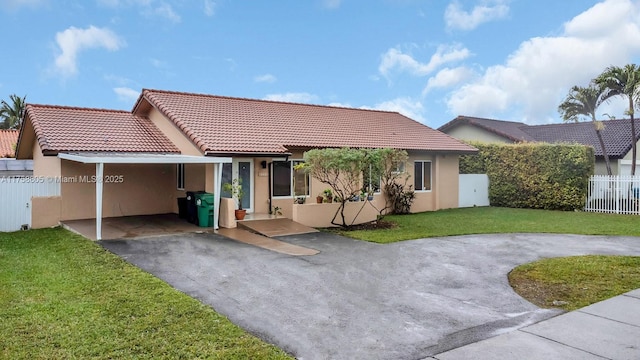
x: 583, y: 101
x: 11, y: 114
x: 625, y: 82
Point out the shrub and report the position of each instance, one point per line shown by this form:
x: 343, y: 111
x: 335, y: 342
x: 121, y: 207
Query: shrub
x: 533, y: 175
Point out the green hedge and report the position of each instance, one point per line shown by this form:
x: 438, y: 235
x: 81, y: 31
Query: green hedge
x: 533, y: 175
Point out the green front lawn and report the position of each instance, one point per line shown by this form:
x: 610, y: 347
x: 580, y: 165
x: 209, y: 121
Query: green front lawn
x: 576, y: 281
x: 64, y: 297
x: 490, y: 220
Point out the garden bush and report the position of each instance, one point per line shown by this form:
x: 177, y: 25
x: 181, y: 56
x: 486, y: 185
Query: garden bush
x: 533, y: 175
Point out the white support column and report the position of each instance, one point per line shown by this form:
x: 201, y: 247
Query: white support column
x: 217, y: 179
x: 99, y: 185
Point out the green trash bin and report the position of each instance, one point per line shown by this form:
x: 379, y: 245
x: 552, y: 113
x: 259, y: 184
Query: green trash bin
x: 204, y: 202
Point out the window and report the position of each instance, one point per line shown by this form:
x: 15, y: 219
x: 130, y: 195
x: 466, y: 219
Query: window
x: 180, y: 176
x: 288, y: 181
x: 422, y: 175
x: 371, y: 180
x: 398, y: 167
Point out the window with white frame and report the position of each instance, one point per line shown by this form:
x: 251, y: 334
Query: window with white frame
x: 371, y: 180
x: 397, y: 167
x: 422, y: 175
x: 287, y: 181
x: 180, y: 176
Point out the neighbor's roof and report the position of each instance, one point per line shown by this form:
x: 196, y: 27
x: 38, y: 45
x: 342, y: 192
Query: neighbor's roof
x: 60, y: 128
x: 511, y: 130
x: 8, y: 140
x: 616, y: 133
x: 218, y: 124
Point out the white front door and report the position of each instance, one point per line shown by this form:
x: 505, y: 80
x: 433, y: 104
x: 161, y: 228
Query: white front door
x: 241, y: 168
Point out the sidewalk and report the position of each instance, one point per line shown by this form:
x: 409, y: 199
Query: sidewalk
x: 609, y: 329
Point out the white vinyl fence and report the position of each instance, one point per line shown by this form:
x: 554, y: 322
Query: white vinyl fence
x: 618, y: 194
x: 473, y: 190
x: 15, y: 199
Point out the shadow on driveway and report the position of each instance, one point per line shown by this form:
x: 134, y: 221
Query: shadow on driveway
x: 359, y: 300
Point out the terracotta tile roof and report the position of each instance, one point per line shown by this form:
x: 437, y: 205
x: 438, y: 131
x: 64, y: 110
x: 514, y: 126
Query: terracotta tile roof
x: 60, y: 128
x: 8, y: 140
x: 616, y: 133
x: 219, y: 124
x: 510, y: 130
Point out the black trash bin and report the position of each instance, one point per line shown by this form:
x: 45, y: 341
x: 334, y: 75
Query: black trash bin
x: 192, y: 208
x: 182, y: 207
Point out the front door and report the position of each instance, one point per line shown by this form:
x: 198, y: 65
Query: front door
x: 240, y: 169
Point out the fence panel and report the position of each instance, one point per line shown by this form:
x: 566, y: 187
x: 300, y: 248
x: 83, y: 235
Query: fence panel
x: 15, y: 199
x: 473, y: 190
x: 616, y: 194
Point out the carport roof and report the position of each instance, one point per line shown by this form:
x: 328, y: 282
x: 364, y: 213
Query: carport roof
x: 138, y: 158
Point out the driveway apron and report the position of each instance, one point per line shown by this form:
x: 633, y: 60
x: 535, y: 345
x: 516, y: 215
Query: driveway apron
x: 359, y: 300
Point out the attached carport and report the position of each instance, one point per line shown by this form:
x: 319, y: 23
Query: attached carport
x: 100, y: 159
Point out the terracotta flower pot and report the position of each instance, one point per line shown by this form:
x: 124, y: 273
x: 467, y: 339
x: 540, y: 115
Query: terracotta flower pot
x: 319, y: 199
x: 240, y: 214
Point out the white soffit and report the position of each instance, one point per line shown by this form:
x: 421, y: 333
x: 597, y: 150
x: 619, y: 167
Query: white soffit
x: 138, y: 158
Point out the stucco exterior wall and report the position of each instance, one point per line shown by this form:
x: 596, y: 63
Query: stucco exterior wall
x: 467, y: 132
x: 444, y: 182
x: 173, y: 133
x: 47, y: 166
x: 45, y: 211
x: 144, y: 190
x: 320, y: 215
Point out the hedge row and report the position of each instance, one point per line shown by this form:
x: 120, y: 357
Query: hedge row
x: 533, y: 175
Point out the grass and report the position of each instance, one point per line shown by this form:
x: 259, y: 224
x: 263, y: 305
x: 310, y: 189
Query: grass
x: 577, y: 281
x: 62, y: 296
x: 491, y: 220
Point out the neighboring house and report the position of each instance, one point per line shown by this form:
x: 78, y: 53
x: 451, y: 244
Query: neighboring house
x: 616, y: 135
x: 172, y: 142
x: 9, y: 166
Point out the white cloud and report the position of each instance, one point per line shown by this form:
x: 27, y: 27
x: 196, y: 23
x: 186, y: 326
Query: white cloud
x: 293, y: 97
x: 488, y: 10
x: 395, y: 59
x: 537, y: 76
x: 16, y: 4
x: 73, y: 40
x: 331, y: 4
x: 448, y: 77
x: 268, y: 78
x: 158, y: 64
x: 406, y: 106
x: 126, y: 94
x: 209, y: 7
x: 149, y: 8
x: 166, y: 11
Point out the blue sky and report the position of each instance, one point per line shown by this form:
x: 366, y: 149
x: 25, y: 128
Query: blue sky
x: 428, y: 59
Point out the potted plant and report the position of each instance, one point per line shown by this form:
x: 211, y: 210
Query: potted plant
x: 235, y: 188
x: 370, y: 195
x: 276, y: 211
x: 320, y: 198
x: 328, y: 195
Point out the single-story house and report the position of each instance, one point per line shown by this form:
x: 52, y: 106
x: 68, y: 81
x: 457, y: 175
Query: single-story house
x: 9, y: 166
x: 172, y: 142
x: 616, y: 135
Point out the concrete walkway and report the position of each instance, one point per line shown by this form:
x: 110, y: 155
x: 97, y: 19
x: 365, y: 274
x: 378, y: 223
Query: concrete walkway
x: 609, y: 329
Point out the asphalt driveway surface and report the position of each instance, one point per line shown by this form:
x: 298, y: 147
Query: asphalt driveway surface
x: 358, y: 300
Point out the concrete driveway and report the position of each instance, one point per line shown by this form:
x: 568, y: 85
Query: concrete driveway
x: 358, y: 300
